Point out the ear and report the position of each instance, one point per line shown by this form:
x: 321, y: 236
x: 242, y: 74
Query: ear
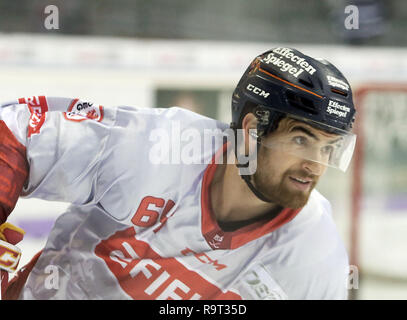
x: 249, y: 122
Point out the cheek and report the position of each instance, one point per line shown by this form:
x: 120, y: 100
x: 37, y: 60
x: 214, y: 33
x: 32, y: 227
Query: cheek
x: 276, y: 161
x: 271, y: 163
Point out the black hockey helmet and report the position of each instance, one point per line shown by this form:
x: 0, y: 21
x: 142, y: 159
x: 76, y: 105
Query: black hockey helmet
x: 284, y: 81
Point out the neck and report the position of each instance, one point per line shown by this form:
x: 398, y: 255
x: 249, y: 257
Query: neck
x: 231, y: 198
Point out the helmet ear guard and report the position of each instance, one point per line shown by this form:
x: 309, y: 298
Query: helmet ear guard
x: 268, y: 120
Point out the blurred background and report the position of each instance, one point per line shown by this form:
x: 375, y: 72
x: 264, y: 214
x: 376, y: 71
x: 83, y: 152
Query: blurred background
x: 192, y: 53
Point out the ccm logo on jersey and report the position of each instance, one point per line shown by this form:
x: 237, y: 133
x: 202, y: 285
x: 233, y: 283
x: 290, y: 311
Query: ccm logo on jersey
x: 204, y: 258
x: 257, y: 91
x: 80, y: 111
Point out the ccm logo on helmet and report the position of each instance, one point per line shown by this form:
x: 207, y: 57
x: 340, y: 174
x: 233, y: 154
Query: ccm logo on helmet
x: 257, y: 91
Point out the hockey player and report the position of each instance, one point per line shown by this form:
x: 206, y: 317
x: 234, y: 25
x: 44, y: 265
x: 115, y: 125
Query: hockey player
x: 147, y: 224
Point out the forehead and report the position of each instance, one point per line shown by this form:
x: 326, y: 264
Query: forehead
x: 287, y: 125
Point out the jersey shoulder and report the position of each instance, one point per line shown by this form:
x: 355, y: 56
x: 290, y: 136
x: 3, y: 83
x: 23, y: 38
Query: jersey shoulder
x: 154, y: 152
x: 316, y: 224
x: 312, y: 262
x: 164, y: 116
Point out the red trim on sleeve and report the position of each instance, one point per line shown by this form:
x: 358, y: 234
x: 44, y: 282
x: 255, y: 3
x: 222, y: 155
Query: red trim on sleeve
x: 36, y: 104
x: 219, y: 239
x: 13, y: 170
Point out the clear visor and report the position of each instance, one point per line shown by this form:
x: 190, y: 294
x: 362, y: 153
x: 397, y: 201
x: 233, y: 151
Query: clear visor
x: 308, y: 140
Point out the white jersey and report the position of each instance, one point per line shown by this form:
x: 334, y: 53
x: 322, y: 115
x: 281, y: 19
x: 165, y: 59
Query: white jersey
x: 144, y: 229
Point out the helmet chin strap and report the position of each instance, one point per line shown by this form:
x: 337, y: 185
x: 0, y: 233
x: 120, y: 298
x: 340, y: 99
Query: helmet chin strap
x: 248, y: 177
x: 267, y: 122
x: 257, y: 193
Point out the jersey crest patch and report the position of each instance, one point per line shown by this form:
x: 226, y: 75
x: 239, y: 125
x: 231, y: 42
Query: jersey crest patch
x: 80, y: 111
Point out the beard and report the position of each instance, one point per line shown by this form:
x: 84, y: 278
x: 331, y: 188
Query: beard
x: 280, y: 193
x: 278, y: 188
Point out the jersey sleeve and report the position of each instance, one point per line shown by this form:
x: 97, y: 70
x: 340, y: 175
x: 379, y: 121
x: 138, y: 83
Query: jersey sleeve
x: 64, y: 140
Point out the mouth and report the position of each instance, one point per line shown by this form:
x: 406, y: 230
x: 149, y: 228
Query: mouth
x: 301, y: 184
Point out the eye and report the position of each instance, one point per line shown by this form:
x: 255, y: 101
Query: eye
x: 300, y: 140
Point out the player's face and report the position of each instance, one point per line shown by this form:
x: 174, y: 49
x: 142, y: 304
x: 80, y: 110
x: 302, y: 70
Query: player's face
x: 284, y: 177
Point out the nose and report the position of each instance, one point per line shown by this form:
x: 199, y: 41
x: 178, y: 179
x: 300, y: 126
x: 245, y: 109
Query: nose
x: 313, y: 167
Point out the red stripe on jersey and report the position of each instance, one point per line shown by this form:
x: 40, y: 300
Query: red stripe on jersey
x: 38, y: 107
x: 219, y: 239
x: 36, y: 104
x: 143, y: 274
